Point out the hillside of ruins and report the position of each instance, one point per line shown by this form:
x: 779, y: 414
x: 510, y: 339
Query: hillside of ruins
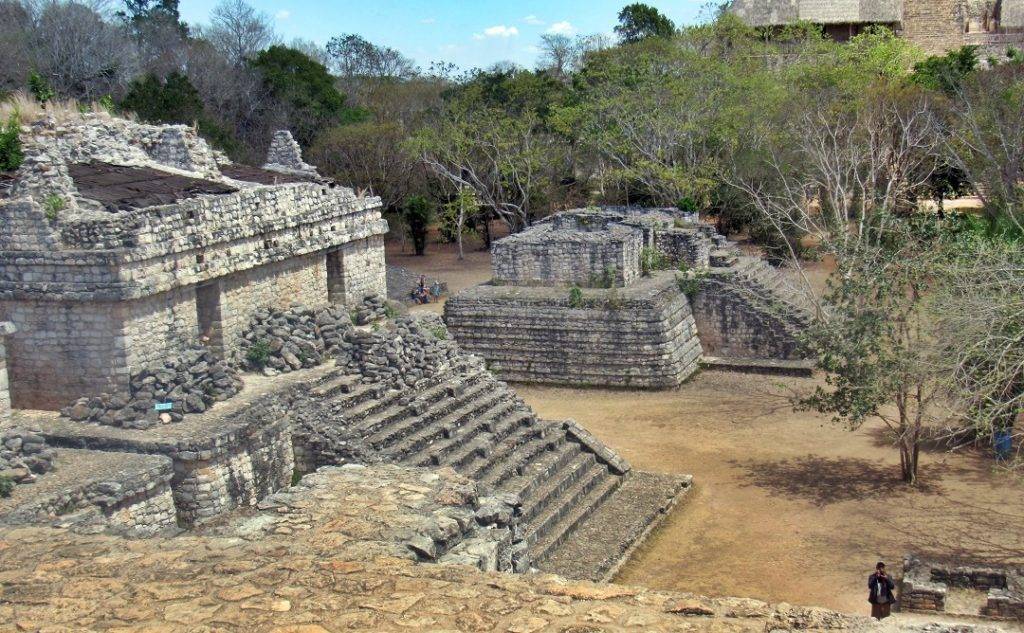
x: 685, y: 329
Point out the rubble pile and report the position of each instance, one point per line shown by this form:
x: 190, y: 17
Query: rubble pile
x: 163, y: 393
x: 23, y: 455
x: 280, y: 341
x: 415, y: 347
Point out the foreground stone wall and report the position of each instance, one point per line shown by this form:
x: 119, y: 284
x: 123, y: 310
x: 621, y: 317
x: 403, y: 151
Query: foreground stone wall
x: 643, y: 336
x: 362, y: 270
x: 936, y: 26
x: 925, y: 586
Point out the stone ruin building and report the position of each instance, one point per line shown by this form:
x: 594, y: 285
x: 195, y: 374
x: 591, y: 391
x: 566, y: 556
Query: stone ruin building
x: 937, y: 26
x: 631, y: 324
x: 926, y: 584
x: 189, y: 336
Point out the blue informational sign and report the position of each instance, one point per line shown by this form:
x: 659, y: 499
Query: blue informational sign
x: 164, y: 406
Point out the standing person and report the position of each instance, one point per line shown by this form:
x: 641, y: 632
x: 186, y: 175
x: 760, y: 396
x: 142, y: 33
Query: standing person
x: 880, y: 586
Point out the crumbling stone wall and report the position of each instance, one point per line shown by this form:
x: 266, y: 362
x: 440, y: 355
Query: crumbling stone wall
x: 99, y: 293
x: 560, y: 255
x: 925, y: 586
x: 300, y: 280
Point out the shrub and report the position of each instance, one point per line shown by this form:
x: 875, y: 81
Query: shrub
x: 690, y: 281
x: 614, y: 301
x: 40, y: 89
x: 651, y: 260
x: 687, y: 205
x: 258, y: 354
x: 440, y: 332
x: 10, y: 144
x: 575, y: 297
x: 6, y: 486
x: 52, y: 206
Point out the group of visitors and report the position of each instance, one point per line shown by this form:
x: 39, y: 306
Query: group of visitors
x: 422, y: 294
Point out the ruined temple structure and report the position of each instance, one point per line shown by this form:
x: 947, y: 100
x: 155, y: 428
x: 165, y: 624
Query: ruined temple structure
x: 121, y: 244
x: 572, y: 302
x: 937, y: 26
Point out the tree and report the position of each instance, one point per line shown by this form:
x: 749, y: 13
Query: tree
x: 985, y: 140
x: 417, y: 213
x: 639, y: 21
x: 457, y: 213
x: 78, y: 53
x: 847, y: 174
x: 238, y: 31
x: 174, y: 100
x: 305, y: 91
x: 371, y: 155
x: 355, y: 57
x: 947, y: 73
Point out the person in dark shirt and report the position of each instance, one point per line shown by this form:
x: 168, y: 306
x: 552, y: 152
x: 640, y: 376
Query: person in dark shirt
x: 880, y: 587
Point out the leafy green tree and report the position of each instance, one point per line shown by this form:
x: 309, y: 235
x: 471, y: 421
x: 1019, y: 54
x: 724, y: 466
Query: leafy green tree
x: 418, y: 213
x: 11, y: 155
x: 947, y: 73
x: 638, y: 21
x: 305, y: 90
x: 174, y: 100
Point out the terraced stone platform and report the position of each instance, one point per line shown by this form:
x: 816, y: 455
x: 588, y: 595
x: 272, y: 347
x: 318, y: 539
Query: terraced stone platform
x: 642, y: 336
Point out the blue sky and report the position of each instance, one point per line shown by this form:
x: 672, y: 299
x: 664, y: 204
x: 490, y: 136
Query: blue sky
x: 467, y: 33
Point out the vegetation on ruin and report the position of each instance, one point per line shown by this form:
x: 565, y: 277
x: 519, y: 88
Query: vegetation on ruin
x: 52, y: 206
x: 575, y: 297
x: 6, y: 486
x: 11, y: 155
x: 258, y: 354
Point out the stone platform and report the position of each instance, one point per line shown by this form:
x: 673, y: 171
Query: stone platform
x: 642, y: 336
x: 235, y: 454
x: 97, y: 490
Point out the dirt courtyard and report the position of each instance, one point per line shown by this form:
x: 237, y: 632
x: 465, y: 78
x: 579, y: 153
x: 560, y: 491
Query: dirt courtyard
x: 786, y: 506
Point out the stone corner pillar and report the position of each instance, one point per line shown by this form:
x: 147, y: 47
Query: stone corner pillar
x: 6, y: 329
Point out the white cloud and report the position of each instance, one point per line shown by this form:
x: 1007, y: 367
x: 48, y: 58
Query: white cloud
x: 497, y: 31
x: 534, y: 20
x: 562, y: 28
x: 283, y: 14
x: 428, y: 21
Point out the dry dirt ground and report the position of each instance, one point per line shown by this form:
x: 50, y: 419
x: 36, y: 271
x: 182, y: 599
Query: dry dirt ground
x: 787, y: 506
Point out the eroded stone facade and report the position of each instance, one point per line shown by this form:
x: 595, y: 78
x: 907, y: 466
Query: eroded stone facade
x: 103, y: 279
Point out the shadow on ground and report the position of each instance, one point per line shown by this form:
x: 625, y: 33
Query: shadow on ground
x: 824, y: 481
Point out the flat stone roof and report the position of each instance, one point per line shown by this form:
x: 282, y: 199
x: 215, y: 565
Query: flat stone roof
x: 121, y: 188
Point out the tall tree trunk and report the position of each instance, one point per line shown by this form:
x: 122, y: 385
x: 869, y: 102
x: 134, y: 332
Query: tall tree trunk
x: 459, y: 225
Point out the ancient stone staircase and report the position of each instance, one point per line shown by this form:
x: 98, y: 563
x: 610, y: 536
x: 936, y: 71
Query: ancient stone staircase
x: 467, y: 419
x: 775, y: 291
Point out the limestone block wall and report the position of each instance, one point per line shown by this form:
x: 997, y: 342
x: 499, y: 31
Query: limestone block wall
x: 301, y: 280
x: 63, y: 350
x: 544, y: 256
x: 936, y: 26
x: 6, y: 329
x: 691, y: 246
x: 209, y: 483
x: 732, y: 326
x: 362, y: 270
x: 643, y: 336
x: 158, y: 327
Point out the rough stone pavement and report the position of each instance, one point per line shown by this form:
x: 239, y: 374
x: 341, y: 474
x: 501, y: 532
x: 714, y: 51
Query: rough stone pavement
x: 330, y: 558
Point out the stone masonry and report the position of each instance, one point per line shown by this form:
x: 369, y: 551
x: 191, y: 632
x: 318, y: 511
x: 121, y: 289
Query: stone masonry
x: 586, y: 298
x: 925, y: 585
x: 123, y: 243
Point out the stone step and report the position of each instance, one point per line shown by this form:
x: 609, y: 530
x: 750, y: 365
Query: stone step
x: 334, y: 385
x: 359, y: 394
x: 552, y: 526
x: 542, y: 469
x: 547, y: 493
x: 403, y: 439
x: 497, y: 422
x: 504, y: 462
x: 373, y: 419
x: 603, y: 540
x: 560, y: 520
x: 404, y: 420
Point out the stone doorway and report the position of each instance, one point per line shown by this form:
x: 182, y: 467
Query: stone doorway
x: 335, y: 277
x: 209, y: 316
